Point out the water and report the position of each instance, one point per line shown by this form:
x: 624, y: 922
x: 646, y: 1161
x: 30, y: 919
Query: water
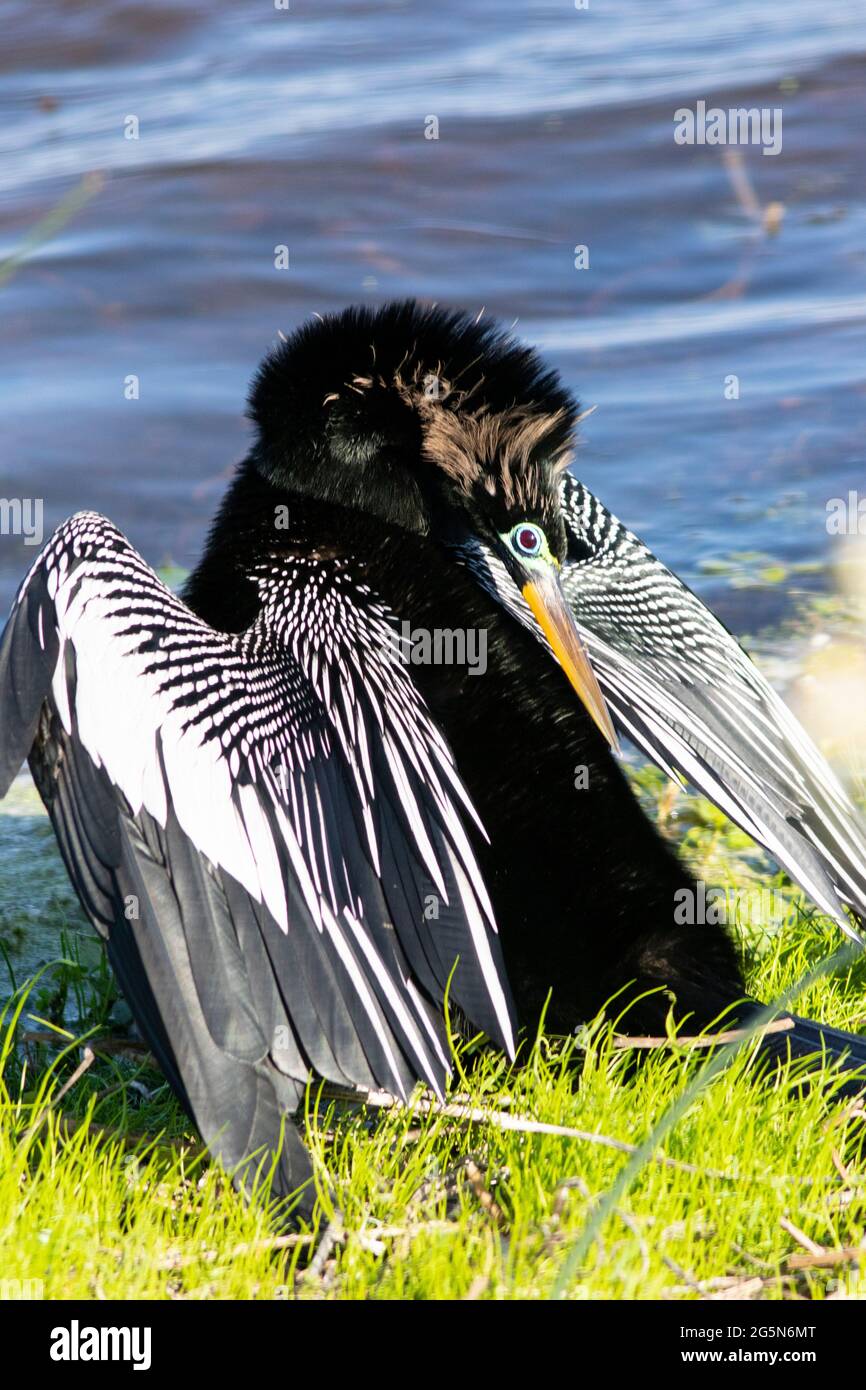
x: 259, y: 127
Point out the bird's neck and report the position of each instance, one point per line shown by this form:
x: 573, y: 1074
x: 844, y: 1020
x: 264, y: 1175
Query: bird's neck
x: 257, y: 524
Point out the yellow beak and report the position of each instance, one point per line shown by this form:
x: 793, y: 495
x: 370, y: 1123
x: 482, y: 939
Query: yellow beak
x: 544, y: 595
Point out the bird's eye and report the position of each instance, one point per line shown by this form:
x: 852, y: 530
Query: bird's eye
x: 527, y: 539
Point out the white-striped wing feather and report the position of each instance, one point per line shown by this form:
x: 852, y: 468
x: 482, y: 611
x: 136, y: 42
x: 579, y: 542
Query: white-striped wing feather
x: 680, y: 686
x: 297, y: 759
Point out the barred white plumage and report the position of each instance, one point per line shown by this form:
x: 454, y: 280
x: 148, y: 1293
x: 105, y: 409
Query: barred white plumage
x: 682, y: 688
x: 297, y: 760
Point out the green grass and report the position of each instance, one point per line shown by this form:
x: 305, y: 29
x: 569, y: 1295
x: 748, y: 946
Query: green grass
x: 105, y: 1192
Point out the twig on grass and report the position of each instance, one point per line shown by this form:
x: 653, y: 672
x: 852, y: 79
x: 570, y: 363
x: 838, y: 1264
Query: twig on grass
x: 334, y: 1235
x: 730, y: 1035
x: 800, y: 1237
x: 841, y: 1168
x: 86, y: 1062
x: 739, y: 1289
x: 102, y: 1047
x: 688, y: 1279
x: 488, y: 1202
x: 826, y: 1259
x: 368, y: 1239
x: 480, y: 1284
x: 469, y: 1114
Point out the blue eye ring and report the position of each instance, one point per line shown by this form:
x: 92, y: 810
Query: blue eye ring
x: 528, y: 540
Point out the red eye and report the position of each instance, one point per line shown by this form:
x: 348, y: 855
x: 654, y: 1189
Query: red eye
x: 526, y: 539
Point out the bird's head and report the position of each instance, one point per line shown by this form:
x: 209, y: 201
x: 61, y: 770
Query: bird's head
x: 442, y: 425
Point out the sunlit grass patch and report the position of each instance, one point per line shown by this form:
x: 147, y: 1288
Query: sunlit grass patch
x: 105, y: 1190
x: 111, y: 1195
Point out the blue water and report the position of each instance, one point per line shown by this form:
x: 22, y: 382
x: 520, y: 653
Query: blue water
x: 260, y: 127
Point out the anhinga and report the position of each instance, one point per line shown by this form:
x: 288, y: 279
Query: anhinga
x: 273, y: 814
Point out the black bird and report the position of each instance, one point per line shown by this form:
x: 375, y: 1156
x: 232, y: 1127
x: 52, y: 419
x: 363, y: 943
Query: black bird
x: 272, y: 809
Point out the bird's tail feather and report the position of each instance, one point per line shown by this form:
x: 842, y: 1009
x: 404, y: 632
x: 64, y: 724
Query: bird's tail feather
x: 805, y: 1038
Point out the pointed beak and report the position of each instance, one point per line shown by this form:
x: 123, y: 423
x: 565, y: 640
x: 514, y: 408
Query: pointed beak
x: 543, y: 593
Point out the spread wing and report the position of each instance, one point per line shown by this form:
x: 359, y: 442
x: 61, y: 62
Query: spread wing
x: 267, y: 828
x: 680, y: 686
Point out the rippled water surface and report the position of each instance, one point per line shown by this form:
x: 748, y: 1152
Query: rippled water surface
x: 260, y: 127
